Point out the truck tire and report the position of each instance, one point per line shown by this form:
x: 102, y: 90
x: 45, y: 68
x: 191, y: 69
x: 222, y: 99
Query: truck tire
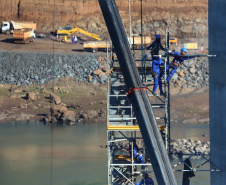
x: 32, y: 39
x: 7, y: 32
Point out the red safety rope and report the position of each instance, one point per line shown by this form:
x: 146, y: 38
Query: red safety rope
x: 131, y: 90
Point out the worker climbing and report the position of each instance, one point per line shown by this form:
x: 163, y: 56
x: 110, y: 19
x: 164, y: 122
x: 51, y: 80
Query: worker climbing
x: 138, y: 157
x: 147, y: 180
x: 156, y: 62
x: 156, y: 75
x: 179, y: 58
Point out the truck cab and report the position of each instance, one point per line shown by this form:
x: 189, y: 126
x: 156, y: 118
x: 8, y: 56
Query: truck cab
x: 67, y: 27
x: 5, y: 27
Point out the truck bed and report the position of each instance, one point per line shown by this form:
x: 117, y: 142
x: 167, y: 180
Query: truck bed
x: 22, y: 34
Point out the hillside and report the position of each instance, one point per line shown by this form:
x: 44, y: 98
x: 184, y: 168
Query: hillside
x: 184, y: 18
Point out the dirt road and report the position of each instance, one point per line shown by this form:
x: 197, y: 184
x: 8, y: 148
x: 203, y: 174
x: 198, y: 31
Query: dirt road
x: 40, y: 45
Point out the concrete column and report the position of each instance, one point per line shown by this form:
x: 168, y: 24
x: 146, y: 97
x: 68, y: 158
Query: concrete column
x: 217, y: 82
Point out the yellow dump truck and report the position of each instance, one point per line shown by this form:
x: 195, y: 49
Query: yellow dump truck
x: 9, y: 26
x: 95, y: 46
x: 24, y: 35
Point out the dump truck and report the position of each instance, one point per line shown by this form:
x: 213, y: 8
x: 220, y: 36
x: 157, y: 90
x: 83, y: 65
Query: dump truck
x: 25, y: 35
x: 95, y: 46
x: 9, y: 26
x: 68, y: 30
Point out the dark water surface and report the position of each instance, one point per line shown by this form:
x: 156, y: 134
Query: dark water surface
x: 78, y: 159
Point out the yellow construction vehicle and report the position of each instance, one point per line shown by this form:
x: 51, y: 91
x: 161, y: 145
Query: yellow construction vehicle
x: 69, y: 30
x: 173, y: 41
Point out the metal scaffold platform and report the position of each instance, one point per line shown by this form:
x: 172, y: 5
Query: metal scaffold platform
x: 122, y: 127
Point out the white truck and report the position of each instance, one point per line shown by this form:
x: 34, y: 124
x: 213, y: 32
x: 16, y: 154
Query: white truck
x: 9, y: 26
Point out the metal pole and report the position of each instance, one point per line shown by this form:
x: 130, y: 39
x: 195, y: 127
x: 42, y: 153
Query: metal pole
x: 141, y: 25
x: 130, y: 31
x: 168, y: 142
x: 166, y: 97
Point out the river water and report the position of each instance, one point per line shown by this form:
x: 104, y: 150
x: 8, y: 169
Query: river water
x: 78, y: 159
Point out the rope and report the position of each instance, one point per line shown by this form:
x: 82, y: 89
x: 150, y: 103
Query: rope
x: 135, y: 88
x: 54, y: 10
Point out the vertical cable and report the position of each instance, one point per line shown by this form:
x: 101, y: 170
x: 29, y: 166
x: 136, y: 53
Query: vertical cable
x: 53, y: 76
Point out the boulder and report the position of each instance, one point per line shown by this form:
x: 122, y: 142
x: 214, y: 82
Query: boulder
x: 90, y: 78
x: 181, y: 73
x: 101, y: 74
x: 105, y: 68
x: 31, y: 96
x: 103, y: 78
x: 97, y: 71
x: 84, y: 116
x: 68, y: 116
x: 56, y: 99
x: 175, y: 76
x: 192, y: 70
x: 57, y: 109
x: 75, y: 105
x: 41, y: 35
x: 92, y: 114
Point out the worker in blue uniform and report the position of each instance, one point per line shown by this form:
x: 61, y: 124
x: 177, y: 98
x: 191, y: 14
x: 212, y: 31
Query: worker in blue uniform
x: 156, y: 75
x: 138, y: 157
x: 147, y: 180
x: 156, y: 62
x: 179, y: 58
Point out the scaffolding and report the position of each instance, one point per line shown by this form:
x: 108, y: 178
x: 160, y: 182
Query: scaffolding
x: 122, y: 129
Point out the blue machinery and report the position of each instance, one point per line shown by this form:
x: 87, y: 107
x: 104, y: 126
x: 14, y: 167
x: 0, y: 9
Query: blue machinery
x: 138, y: 97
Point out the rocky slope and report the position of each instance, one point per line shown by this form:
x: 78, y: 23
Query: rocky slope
x: 37, y: 69
x: 183, y: 18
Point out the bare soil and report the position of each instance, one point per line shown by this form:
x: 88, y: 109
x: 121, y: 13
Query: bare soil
x: 40, y: 45
x: 13, y: 99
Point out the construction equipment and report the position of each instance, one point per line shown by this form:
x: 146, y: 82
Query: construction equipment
x: 24, y: 35
x: 9, y: 26
x: 173, y: 41
x: 191, y: 45
x: 102, y: 45
x: 69, y: 30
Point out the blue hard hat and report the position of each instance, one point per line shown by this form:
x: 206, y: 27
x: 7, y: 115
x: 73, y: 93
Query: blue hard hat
x: 157, y: 36
x: 184, y: 50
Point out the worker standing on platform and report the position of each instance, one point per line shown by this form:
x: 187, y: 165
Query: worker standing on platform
x: 156, y: 62
x: 138, y: 158
x: 155, y: 47
x: 179, y: 58
x: 147, y: 180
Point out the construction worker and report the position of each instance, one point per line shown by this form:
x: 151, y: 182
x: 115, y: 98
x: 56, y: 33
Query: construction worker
x: 72, y: 39
x: 179, y: 58
x: 138, y: 157
x: 156, y: 75
x: 156, y: 62
x: 155, y: 47
x: 147, y: 180
x: 76, y: 39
